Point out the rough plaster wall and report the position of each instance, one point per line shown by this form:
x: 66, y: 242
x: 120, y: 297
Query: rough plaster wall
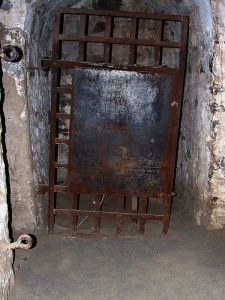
x: 217, y: 182
x: 12, y: 15
x: 6, y: 271
x: 19, y: 157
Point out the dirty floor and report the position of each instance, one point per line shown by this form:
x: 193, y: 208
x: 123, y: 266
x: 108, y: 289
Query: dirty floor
x: 189, y: 263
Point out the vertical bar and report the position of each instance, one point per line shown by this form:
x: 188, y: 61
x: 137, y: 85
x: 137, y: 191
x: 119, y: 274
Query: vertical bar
x: 108, y: 46
x: 177, y: 95
x: 76, y: 196
x: 166, y: 215
x: 97, y: 209
x: 119, y: 217
x: 70, y: 154
x: 144, y: 202
x: 158, y: 36
x: 183, y: 50
x: 55, y: 56
x: 75, y: 204
x: 82, y: 44
x: 57, y: 26
x: 134, y: 208
x: 133, y: 35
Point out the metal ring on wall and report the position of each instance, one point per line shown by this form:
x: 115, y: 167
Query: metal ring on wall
x: 9, y: 53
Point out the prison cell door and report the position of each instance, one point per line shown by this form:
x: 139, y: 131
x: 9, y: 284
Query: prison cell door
x: 121, y: 118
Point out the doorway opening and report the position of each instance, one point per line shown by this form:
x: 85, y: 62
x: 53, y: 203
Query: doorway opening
x: 117, y: 134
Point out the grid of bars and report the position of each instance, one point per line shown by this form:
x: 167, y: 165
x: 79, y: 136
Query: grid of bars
x: 135, y: 218
x: 159, y: 42
x: 56, y: 63
x: 83, y: 38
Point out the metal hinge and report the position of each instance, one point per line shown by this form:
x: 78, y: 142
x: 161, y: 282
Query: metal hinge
x: 42, y: 188
x: 42, y: 67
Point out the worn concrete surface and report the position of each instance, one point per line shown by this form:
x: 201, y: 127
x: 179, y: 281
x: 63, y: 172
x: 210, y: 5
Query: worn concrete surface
x: 187, y: 264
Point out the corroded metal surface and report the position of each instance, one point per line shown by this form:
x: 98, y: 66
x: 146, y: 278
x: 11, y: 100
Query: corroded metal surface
x: 119, y: 132
x: 123, y: 122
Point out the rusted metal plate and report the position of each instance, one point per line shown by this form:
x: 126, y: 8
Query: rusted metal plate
x: 119, y: 131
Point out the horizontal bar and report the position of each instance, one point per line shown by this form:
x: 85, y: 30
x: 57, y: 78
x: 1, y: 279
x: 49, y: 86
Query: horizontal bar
x: 85, y: 65
x: 107, y: 214
x: 61, y: 189
x: 64, y: 90
x: 57, y: 188
x: 62, y: 116
x: 114, y: 40
x: 119, y: 13
x: 128, y: 193
x: 42, y: 189
x: 61, y: 141
x: 61, y: 166
x: 150, y: 195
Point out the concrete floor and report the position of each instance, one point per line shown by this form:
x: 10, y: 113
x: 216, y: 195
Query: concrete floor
x: 187, y: 264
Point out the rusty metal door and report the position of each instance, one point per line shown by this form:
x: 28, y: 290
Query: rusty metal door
x: 122, y: 117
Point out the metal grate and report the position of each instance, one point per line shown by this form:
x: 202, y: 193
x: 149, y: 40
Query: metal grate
x: 120, y: 126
